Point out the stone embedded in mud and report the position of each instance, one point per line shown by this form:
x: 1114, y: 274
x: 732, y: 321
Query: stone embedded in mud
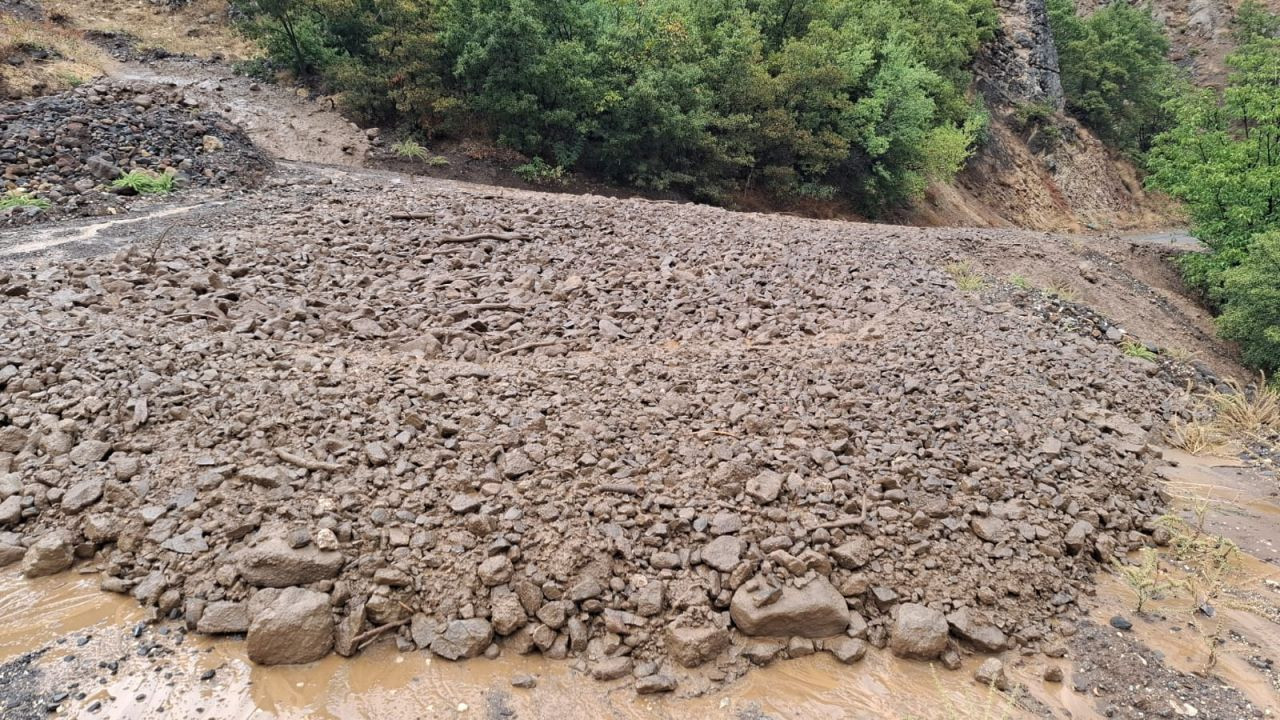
x: 845, y: 649
x: 262, y: 476
x: 762, y: 652
x: 919, y: 632
x: 765, y: 486
x: 612, y: 668
x: 89, y: 451
x: 723, y: 553
x: 10, y: 554
x: 273, y: 564
x: 507, y: 614
x: 223, y: 617
x: 82, y: 495
x: 984, y: 636
x: 991, y: 674
x: 463, y: 639
x: 655, y: 683
x: 853, y: 554
x: 49, y: 555
x: 693, y: 646
x: 295, y: 627
x: 813, y: 611
x: 10, y: 511
x: 495, y: 570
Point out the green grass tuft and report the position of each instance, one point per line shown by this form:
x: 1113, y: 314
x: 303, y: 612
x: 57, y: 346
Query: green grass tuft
x: 21, y: 199
x: 1138, y: 350
x: 144, y: 182
x: 410, y: 149
x: 967, y: 279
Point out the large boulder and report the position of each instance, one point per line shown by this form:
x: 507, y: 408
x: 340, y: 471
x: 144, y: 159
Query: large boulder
x: 295, y: 627
x: 49, y: 555
x: 693, y: 646
x: 919, y: 632
x: 813, y: 611
x: 273, y: 564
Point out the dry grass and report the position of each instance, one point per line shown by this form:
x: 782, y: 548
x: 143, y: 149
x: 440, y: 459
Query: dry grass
x: 967, y: 279
x: 199, y: 28
x: 1197, y: 438
x: 1253, y: 414
x: 1062, y: 291
x: 76, y: 59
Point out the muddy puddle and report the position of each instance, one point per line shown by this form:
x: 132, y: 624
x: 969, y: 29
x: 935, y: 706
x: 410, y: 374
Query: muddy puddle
x: 73, y: 621
x: 384, y: 684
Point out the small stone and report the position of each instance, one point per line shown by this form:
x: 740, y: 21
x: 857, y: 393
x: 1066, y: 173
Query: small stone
x: 693, y: 646
x: 89, y: 451
x: 765, y: 486
x: 919, y: 632
x: 224, y: 617
x: 1053, y: 674
x: 723, y: 553
x: 463, y: 639
x: 49, y: 555
x: 495, y: 570
x: 1120, y: 623
x: 991, y: 673
x: 463, y: 503
x: 846, y: 649
x: 612, y: 668
x: 524, y: 681
x: 655, y: 683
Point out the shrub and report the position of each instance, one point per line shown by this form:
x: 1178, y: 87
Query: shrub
x: 17, y: 198
x: 538, y: 172
x: 409, y: 148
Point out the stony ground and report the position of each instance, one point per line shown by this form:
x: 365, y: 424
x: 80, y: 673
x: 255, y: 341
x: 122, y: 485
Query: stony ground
x: 645, y: 435
x: 68, y: 149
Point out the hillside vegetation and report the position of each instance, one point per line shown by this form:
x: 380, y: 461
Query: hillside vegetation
x: 867, y: 100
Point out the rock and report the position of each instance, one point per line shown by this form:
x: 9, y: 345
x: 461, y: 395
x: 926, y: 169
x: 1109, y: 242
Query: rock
x: 853, y: 554
x: 272, y: 563
x: 48, y: 555
x: 1077, y: 536
x: 1053, y: 674
x: 723, y: 553
x: 262, y: 476
x: 296, y: 627
x: 762, y: 652
x: 10, y: 554
x: 507, y: 614
x: 10, y: 511
x: 89, y: 451
x: 990, y: 529
x: 463, y: 503
x: 211, y: 144
x: 82, y: 495
x: 612, y: 668
x: 10, y: 485
x: 495, y: 570
x: 463, y: 639
x: 816, y: 610
x: 983, y: 636
x: 919, y: 632
x: 655, y: 683
x: 765, y: 486
x: 846, y: 649
x: 524, y: 681
x: 798, y: 647
x: 1120, y: 623
x: 12, y: 439
x: 693, y: 646
x: 349, y: 628
x: 223, y: 617
x: 991, y: 673
x: 102, y: 168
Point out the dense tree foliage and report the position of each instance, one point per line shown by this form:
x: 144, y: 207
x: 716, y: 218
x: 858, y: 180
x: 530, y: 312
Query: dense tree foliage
x: 1222, y: 158
x: 866, y: 98
x: 1115, y: 72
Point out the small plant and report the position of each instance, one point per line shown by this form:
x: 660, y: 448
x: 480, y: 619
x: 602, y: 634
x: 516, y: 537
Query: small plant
x: 144, y: 182
x: 18, y: 198
x: 438, y: 161
x: 966, y: 278
x: 1181, y: 355
x: 1197, y: 438
x: 1020, y: 282
x: 540, y: 172
x: 1138, y: 350
x: 1062, y: 291
x: 1033, y: 114
x: 1143, y: 579
x: 409, y: 149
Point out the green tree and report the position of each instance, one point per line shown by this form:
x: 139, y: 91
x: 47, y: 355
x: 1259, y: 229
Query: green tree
x: 1115, y: 73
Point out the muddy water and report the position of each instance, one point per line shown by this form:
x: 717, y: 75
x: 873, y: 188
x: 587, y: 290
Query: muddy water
x: 387, y: 685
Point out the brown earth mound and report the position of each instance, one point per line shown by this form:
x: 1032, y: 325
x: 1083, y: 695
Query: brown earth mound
x: 649, y: 436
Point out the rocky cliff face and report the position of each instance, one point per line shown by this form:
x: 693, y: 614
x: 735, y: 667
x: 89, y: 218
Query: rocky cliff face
x: 1052, y: 175
x: 1021, y: 64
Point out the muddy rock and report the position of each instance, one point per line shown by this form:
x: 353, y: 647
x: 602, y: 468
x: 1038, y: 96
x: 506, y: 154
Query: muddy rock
x: 274, y: 564
x: 612, y: 668
x: 223, y: 617
x: 463, y: 639
x: 295, y: 627
x: 655, y: 683
x: 983, y: 636
x: 48, y: 555
x: 813, y: 611
x: 693, y: 646
x: 991, y: 673
x: 845, y: 649
x: 10, y: 554
x: 918, y: 632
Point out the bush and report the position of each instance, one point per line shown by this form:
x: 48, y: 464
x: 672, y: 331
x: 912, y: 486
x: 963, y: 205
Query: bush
x: 862, y: 97
x: 1251, y: 291
x: 144, y: 182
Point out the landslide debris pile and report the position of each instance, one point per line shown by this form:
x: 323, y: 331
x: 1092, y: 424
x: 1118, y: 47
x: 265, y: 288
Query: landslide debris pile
x: 68, y: 149
x: 645, y: 436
